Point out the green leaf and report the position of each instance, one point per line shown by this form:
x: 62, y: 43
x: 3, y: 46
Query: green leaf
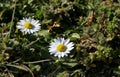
x: 46, y: 21
x: 77, y: 73
x: 44, y: 33
x: 1, y: 57
x: 75, y: 36
x: 63, y: 74
x: 101, y: 38
x: 71, y: 64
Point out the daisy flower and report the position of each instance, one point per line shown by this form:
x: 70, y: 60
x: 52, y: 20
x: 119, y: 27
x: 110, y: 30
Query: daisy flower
x: 28, y: 25
x: 60, y: 47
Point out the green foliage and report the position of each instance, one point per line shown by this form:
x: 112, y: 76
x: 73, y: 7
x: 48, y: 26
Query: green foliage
x: 93, y: 26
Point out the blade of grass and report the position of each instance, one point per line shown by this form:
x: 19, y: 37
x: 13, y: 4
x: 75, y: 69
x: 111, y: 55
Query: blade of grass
x: 13, y: 15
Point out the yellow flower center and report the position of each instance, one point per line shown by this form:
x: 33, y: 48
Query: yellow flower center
x: 61, y: 48
x: 28, y: 25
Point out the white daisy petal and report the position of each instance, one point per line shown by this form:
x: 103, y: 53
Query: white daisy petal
x: 70, y: 44
x: 60, y: 47
x: 67, y: 41
x: 28, y: 25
